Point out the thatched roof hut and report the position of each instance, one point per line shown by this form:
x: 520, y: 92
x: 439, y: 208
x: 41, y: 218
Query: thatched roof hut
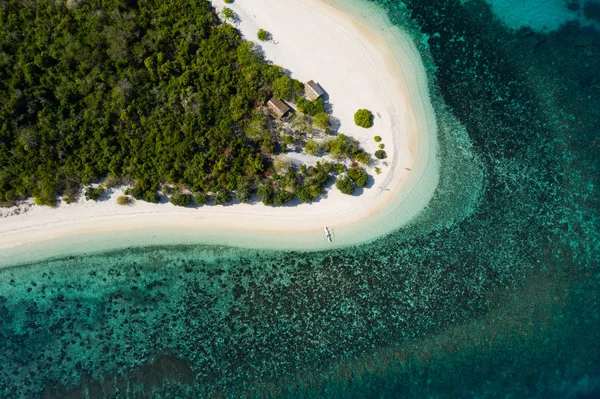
x: 313, y: 90
x: 278, y: 107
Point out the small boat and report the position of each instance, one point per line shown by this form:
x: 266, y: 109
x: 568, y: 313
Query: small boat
x: 327, y: 234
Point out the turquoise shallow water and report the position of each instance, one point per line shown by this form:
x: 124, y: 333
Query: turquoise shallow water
x: 493, y: 298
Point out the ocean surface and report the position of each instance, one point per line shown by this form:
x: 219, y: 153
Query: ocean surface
x: 493, y: 296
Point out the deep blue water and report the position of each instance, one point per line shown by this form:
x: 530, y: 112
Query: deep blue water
x: 494, y: 299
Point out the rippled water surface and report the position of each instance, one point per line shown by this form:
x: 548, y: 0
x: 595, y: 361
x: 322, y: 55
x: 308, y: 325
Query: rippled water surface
x: 486, y: 298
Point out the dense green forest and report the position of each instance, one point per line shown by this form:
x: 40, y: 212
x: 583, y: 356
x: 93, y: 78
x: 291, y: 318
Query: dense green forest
x: 147, y: 92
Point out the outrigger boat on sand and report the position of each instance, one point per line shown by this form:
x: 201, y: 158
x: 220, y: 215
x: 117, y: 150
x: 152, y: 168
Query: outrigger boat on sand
x: 326, y: 234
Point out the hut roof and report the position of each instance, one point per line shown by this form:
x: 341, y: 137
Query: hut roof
x: 313, y: 90
x: 279, y: 107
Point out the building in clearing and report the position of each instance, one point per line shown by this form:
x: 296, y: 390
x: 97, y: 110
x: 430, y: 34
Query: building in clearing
x: 313, y: 90
x: 278, y: 107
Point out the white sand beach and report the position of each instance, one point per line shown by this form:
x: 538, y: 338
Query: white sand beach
x: 360, y: 63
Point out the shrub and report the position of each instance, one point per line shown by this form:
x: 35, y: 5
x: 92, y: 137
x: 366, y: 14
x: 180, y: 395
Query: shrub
x: 243, y: 192
x: 263, y: 35
x: 180, y: 199
x: 124, y: 200
x: 363, y: 118
x: 201, y: 198
x: 282, y: 164
x: 167, y: 190
x: 363, y: 158
x: 144, y: 191
x: 305, y: 193
x: 267, y: 146
x: 228, y: 1
x: 227, y: 13
x: 94, y: 194
x: 337, y: 147
x: 45, y: 199
x: 345, y: 185
x: 266, y: 193
x: 321, y: 120
x: 377, y: 139
x: 339, y: 168
x: 110, y: 181
x: 381, y: 146
x: 378, y: 170
x: 325, y: 167
x: 283, y: 197
x: 151, y: 196
x: 359, y: 176
x: 285, y: 87
x: 222, y: 197
x: 312, y: 147
x: 380, y: 154
x: 311, y: 108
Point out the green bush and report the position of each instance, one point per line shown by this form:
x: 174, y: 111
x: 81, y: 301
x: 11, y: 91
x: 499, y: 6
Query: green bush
x: 363, y: 118
x: 228, y: 1
x: 151, y: 196
x: 167, y: 190
x: 312, y: 147
x: 311, y: 108
x: 201, y: 198
x: 343, y: 146
x: 307, y: 193
x: 283, y: 197
x: 325, y: 167
x: 94, y: 194
x: 45, y: 199
x: 227, y: 13
x: 381, y: 146
x: 321, y: 120
x: 142, y: 191
x: 286, y: 87
x: 363, y: 158
x: 339, y: 168
x: 180, y: 199
x: 124, y: 200
x: 222, y: 196
x: 345, y: 185
x: 380, y: 154
x: 263, y: 35
x: 266, y: 193
x: 243, y: 192
x: 377, y: 139
x: 359, y: 176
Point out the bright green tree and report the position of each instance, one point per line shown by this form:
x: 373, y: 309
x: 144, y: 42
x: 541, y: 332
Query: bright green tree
x: 363, y: 118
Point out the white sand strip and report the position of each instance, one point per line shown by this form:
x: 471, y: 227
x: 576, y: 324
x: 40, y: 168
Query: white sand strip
x: 362, y: 62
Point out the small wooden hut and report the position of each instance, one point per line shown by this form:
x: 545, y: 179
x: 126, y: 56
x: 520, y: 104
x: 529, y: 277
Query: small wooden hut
x: 279, y: 108
x: 313, y: 90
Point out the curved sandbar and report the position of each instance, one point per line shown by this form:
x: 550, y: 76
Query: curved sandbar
x: 361, y: 63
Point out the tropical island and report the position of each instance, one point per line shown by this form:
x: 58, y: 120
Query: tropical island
x: 133, y: 116
x: 184, y: 108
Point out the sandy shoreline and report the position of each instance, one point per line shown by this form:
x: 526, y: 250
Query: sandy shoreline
x: 372, y: 66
